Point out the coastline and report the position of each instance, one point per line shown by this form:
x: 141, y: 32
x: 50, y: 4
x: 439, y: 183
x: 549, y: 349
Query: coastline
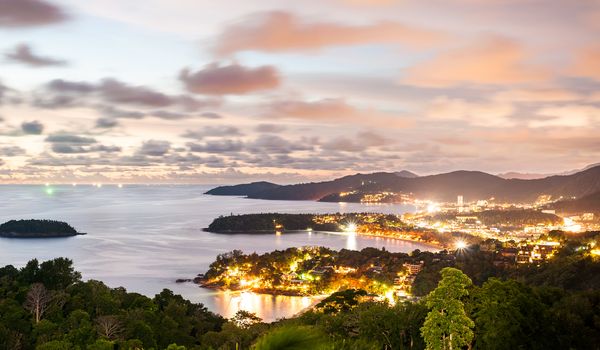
x: 38, y: 235
x: 272, y: 232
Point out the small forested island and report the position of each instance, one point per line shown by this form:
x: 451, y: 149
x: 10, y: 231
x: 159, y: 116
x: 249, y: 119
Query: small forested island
x: 372, y: 224
x: 37, y: 229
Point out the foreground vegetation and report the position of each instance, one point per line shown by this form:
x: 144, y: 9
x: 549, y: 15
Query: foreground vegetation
x: 555, y: 305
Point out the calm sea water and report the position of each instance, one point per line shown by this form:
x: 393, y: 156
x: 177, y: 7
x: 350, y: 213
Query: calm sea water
x: 144, y: 237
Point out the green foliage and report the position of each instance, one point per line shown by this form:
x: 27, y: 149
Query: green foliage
x: 447, y: 325
x: 55, y: 345
x: 90, y: 315
x: 245, y: 319
x: 341, y: 301
x: 293, y: 338
x: 175, y: 347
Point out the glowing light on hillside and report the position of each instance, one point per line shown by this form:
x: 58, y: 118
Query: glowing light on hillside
x: 460, y: 244
x: 49, y: 190
x: 570, y: 225
x: 595, y: 252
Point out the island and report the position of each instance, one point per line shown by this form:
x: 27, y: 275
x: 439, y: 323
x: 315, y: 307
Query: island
x: 371, y: 224
x: 37, y: 229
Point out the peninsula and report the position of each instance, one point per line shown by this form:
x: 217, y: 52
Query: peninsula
x: 369, y: 224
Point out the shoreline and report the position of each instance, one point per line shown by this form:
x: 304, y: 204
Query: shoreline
x: 272, y: 232
x: 36, y: 235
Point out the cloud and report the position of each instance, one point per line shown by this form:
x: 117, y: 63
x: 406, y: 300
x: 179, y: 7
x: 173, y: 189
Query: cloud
x: 75, y: 149
x: 282, y: 31
x: 11, y: 151
x: 72, y: 139
x: 62, y: 93
x: 32, y: 128
x: 29, y: 13
x: 269, y: 128
x: 211, y: 115
x: 330, y: 110
x: 361, y: 142
x: 273, y: 144
x: 475, y: 113
x: 324, y: 109
x: 106, y: 123
x: 587, y: 63
x: 215, y: 79
x: 23, y: 54
x: 119, y: 92
x: 76, y: 144
x: 492, y: 60
x: 218, y: 146
x: 567, y: 116
x: 537, y: 95
x: 155, y: 148
x: 212, y: 131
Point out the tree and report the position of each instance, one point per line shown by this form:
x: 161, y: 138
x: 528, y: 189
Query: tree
x: 55, y: 345
x: 109, y: 327
x: 293, y: 338
x: 341, y: 301
x: 38, y: 301
x: 447, y: 325
x: 244, y: 319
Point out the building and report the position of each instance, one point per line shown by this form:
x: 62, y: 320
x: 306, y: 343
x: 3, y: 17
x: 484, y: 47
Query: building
x: 413, y: 269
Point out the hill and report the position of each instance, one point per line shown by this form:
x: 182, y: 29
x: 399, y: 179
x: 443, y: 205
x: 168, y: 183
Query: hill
x: 586, y: 204
x: 406, y: 173
x: 243, y: 190
x: 472, y: 185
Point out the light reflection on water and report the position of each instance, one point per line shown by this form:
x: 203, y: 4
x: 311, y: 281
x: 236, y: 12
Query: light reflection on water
x: 144, y: 237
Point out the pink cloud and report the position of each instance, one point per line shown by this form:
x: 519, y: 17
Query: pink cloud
x: 490, y: 60
x: 283, y: 31
x: 215, y: 79
x: 587, y: 63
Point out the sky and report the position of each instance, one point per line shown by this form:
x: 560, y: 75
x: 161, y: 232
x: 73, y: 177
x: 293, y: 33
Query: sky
x: 194, y: 91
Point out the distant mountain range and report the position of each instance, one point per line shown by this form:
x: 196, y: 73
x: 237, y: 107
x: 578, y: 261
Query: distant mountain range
x: 472, y: 185
x: 531, y: 176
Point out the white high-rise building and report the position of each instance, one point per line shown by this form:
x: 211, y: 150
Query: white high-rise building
x: 460, y: 203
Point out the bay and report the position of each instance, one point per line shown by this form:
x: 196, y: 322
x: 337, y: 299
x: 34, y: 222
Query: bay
x: 143, y: 237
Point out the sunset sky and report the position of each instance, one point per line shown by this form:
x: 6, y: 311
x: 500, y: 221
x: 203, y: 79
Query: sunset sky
x: 232, y: 91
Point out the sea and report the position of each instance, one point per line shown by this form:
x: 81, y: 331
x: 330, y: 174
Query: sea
x: 144, y: 237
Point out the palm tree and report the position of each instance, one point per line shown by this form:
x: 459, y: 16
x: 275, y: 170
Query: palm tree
x: 293, y: 338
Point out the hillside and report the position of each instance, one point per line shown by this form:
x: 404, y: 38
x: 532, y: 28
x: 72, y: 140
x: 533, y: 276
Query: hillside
x: 586, y: 204
x: 472, y: 185
x: 243, y: 190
